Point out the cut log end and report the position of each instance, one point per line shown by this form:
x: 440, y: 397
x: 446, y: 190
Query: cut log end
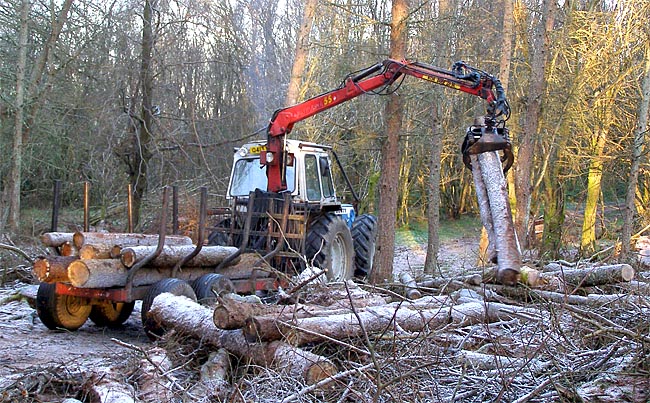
x: 319, y: 371
x: 78, y: 272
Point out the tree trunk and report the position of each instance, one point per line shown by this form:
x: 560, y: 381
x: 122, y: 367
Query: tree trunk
x: 588, y: 238
x: 105, y: 273
x: 13, y: 188
x: 526, y: 152
x: 302, y: 51
x: 593, y: 276
x: 171, y: 255
x: 25, y: 117
x: 637, y: 153
x: 126, y: 239
x: 53, y: 269
x: 433, y: 191
x: 143, y: 137
x: 56, y: 239
x: 383, y: 262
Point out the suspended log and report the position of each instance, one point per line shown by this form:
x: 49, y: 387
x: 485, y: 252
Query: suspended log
x: 126, y: 239
x: 189, y: 318
x: 97, y: 251
x: 105, y: 273
x: 56, y: 239
x: 170, y: 255
x: 484, y: 208
x: 508, y: 254
x: 592, y: 276
x: 52, y: 269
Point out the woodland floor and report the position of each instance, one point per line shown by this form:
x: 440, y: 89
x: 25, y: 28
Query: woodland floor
x: 37, y: 364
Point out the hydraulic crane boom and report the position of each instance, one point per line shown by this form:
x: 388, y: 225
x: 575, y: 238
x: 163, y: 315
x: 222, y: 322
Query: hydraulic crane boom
x: 379, y: 76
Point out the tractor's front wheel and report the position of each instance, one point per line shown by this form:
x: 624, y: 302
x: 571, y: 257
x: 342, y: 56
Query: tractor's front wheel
x: 58, y: 311
x: 329, y: 246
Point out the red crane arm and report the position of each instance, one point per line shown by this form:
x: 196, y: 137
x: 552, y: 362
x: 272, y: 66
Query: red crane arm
x: 382, y: 75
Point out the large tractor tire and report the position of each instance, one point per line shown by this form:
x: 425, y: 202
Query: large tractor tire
x: 111, y: 314
x: 329, y: 246
x: 209, y: 286
x: 171, y: 285
x: 58, y: 311
x: 364, y: 235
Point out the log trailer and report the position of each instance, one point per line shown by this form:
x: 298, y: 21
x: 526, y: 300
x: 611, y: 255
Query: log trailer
x: 283, y: 208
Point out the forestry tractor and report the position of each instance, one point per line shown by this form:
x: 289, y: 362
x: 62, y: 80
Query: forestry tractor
x: 283, y: 210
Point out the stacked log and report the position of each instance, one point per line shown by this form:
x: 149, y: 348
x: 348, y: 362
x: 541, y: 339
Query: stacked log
x: 103, y: 260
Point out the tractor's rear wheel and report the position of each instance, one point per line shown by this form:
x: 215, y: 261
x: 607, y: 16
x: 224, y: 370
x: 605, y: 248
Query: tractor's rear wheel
x: 111, y: 314
x: 364, y: 235
x: 58, y: 311
x: 171, y: 285
x: 329, y: 246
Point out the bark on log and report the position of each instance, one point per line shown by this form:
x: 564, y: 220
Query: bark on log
x: 98, y: 251
x: 53, y: 269
x: 592, y: 276
x: 105, y: 273
x: 56, y: 239
x: 213, y: 385
x: 153, y: 378
x: 471, y: 279
x: 410, y: 317
x: 595, y: 300
x: 126, y: 239
x: 170, y: 255
x: 411, y: 287
x: 188, y: 317
x: 108, y: 389
x: 484, y: 207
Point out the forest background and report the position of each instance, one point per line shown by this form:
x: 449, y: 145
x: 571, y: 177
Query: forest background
x: 158, y: 92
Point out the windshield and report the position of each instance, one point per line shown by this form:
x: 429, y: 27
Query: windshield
x: 247, y: 176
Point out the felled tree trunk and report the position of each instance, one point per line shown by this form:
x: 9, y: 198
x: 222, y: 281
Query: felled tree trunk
x: 98, y: 251
x: 126, y: 239
x: 593, y: 276
x: 410, y: 317
x: 213, y: 385
x: 153, y: 378
x: 170, y: 255
x: 56, y: 239
x: 188, y: 317
x: 105, y: 273
x: 53, y: 269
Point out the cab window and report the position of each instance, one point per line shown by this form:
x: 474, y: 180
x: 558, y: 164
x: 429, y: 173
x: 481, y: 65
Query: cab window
x: 312, y: 177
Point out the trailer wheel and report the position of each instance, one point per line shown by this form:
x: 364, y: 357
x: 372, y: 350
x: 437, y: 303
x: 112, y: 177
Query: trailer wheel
x: 208, y: 286
x: 111, y: 314
x: 364, y: 235
x: 58, y: 311
x: 329, y: 246
x: 171, y: 285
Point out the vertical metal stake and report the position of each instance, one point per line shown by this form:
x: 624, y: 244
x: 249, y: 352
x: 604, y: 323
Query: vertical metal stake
x: 129, y: 208
x: 175, y: 210
x: 86, y: 208
x: 56, y: 203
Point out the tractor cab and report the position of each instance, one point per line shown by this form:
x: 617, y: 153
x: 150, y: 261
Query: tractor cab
x: 308, y: 173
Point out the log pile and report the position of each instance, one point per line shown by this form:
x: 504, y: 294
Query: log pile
x: 103, y: 260
x: 470, y: 325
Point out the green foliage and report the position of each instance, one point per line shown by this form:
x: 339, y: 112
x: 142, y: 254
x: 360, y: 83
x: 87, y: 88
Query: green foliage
x: 415, y: 233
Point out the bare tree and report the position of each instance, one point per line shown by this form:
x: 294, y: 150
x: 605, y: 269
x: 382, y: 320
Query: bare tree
x: 383, y: 263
